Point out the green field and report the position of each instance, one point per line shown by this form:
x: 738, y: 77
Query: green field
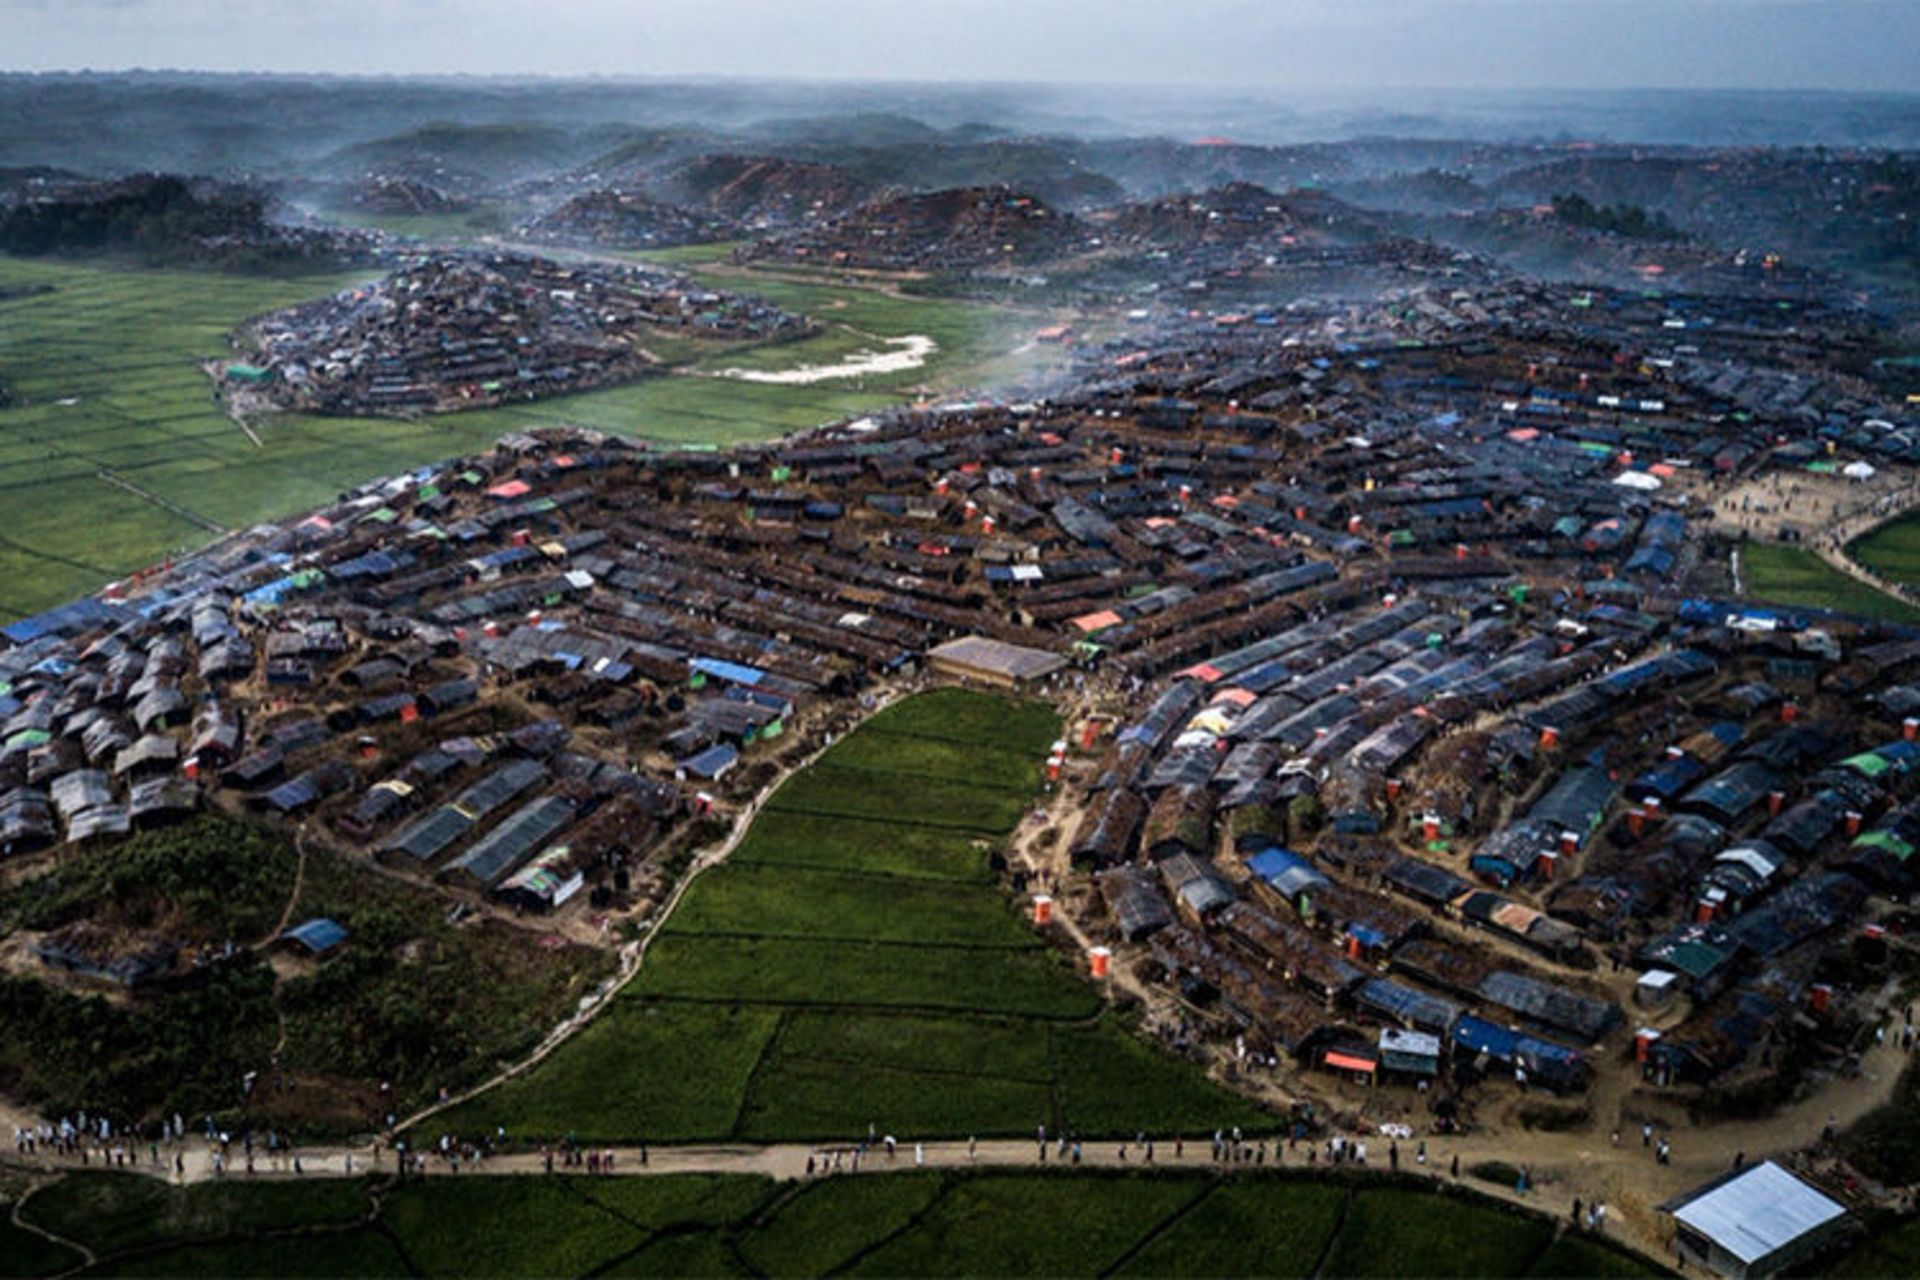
x: 1187, y: 1223
x: 1787, y: 575
x: 855, y: 963
x: 1892, y: 550
x: 141, y: 464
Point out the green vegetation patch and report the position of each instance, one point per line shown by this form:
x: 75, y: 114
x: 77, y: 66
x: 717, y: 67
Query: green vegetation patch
x: 1246, y: 1228
x: 114, y: 1212
x: 1026, y: 1225
x: 826, y: 1224
x: 26, y: 1253
x: 1793, y: 576
x: 788, y: 902
x: 804, y: 972
x: 1892, y: 1251
x: 489, y: 1226
x: 780, y: 838
x: 1579, y: 1258
x: 336, y: 1254
x: 1112, y: 1081
x: 1395, y: 1231
x: 662, y: 1071
x: 835, y: 790
x: 912, y: 1223
x: 1892, y: 550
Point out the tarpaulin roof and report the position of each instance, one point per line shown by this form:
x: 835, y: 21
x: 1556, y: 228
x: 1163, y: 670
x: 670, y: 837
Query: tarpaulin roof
x: 317, y: 935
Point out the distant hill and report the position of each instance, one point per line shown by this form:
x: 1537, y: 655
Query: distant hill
x: 760, y: 190
x: 1237, y: 213
x: 472, y: 156
x: 627, y: 220
x: 397, y: 194
x: 165, y: 218
x: 955, y: 229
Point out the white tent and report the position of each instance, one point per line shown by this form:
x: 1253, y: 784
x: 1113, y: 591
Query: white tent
x: 1637, y: 480
x: 1858, y: 471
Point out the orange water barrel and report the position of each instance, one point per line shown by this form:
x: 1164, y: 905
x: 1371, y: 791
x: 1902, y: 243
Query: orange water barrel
x: 1775, y: 799
x: 1853, y: 823
x: 1393, y: 789
x: 1643, y: 1042
x: 1042, y: 909
x: 1549, y: 738
x: 1789, y: 712
x: 1910, y: 728
x: 1100, y: 961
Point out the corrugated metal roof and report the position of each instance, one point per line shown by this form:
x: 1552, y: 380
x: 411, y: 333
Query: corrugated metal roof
x: 1758, y: 1212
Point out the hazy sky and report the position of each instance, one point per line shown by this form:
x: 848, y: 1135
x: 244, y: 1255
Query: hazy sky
x: 1280, y: 44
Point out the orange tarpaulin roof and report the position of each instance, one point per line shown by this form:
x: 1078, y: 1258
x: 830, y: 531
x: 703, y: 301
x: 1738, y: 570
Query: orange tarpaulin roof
x: 511, y: 489
x: 1203, y: 671
x: 1347, y: 1062
x: 1097, y: 621
x: 1238, y: 697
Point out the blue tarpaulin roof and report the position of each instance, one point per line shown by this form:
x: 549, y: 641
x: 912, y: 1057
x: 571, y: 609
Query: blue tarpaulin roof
x: 80, y: 615
x: 731, y: 671
x: 317, y: 935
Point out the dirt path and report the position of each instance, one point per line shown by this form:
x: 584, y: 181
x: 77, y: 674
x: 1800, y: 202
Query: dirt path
x: 299, y: 883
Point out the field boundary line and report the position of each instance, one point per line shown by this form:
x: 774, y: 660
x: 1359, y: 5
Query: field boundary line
x: 1166, y: 1224
x: 1333, y: 1236
x: 768, y: 1049
x: 87, y: 1256
x: 118, y: 481
x: 948, y: 1185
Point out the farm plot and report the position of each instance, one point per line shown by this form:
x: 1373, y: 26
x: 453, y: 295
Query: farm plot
x: 1276, y: 1228
x: 911, y: 1223
x: 842, y: 985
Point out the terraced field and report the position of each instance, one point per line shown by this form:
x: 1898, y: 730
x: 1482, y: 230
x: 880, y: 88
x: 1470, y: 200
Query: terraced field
x: 855, y: 962
x: 905, y: 1224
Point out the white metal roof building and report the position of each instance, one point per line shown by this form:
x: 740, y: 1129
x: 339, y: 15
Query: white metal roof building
x: 1754, y: 1222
